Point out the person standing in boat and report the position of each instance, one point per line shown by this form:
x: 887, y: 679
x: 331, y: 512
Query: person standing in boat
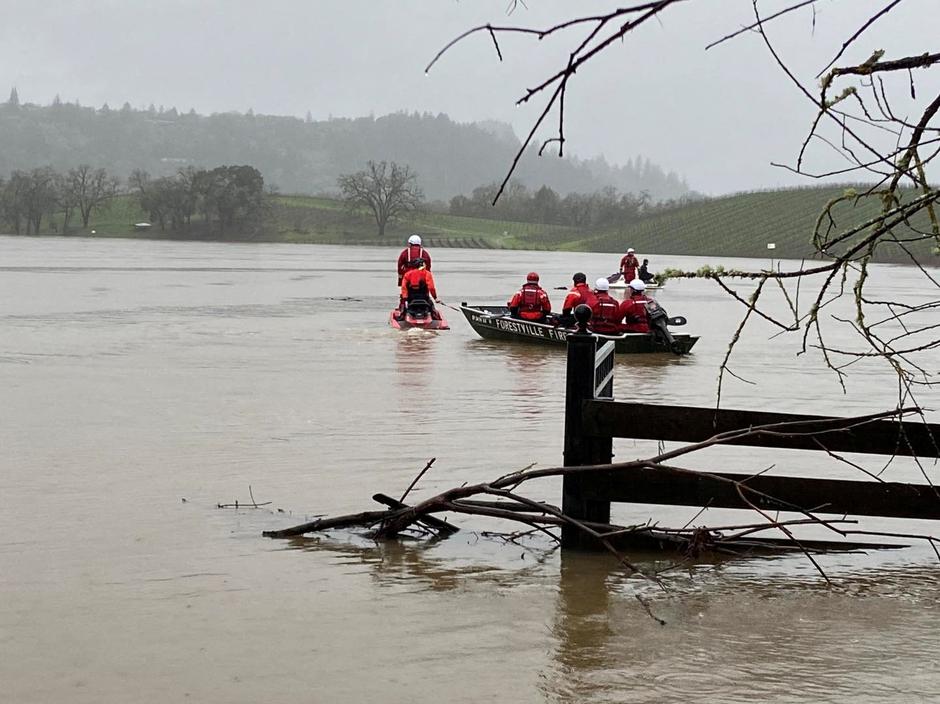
x: 579, y: 293
x: 531, y: 301
x: 643, y: 274
x: 605, y: 312
x: 629, y: 265
x: 633, y: 308
x: 417, y: 284
x: 410, y: 254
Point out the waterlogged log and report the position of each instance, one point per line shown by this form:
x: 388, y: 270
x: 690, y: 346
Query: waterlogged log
x: 365, y: 518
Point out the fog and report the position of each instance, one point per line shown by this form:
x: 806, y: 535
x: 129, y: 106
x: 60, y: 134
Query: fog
x: 716, y: 117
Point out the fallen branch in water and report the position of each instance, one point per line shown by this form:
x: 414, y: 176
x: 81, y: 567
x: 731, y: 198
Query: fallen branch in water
x: 238, y: 504
x: 500, y: 499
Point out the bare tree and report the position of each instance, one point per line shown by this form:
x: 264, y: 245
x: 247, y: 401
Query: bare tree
x: 67, y: 201
x: 876, y: 141
x: 388, y: 191
x: 90, y: 190
x: 36, y: 196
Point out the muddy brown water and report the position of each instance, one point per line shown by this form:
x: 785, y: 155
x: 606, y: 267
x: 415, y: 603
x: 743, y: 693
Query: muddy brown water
x: 145, y: 382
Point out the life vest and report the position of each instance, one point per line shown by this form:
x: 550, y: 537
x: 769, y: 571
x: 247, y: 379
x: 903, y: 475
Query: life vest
x: 606, y: 309
x: 417, y: 287
x: 415, y: 251
x: 634, y: 311
x: 530, y: 299
x: 605, y: 314
x: 629, y: 265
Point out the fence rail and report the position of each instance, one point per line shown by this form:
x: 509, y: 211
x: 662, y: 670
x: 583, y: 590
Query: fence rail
x: 593, y: 419
x: 689, y: 424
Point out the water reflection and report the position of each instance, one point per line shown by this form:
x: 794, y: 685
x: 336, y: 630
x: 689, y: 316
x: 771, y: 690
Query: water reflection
x: 581, y: 628
x: 535, y: 372
x: 425, y: 565
x: 415, y: 351
x: 729, y: 636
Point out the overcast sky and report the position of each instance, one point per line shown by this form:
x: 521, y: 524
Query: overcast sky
x: 717, y: 117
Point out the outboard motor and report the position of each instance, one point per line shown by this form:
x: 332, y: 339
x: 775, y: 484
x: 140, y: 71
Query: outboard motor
x: 659, y: 322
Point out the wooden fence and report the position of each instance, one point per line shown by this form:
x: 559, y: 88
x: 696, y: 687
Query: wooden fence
x: 593, y: 419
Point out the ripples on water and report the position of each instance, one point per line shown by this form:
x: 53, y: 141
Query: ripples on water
x: 139, y: 374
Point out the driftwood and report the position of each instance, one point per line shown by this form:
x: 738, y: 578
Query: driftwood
x: 442, y: 527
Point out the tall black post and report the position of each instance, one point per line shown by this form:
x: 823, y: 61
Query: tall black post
x: 579, y: 448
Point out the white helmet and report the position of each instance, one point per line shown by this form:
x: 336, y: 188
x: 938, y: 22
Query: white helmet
x: 637, y: 285
x: 602, y: 284
x: 415, y: 239
x: 631, y: 250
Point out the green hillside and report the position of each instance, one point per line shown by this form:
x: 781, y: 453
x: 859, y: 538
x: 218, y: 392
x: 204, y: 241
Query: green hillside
x: 743, y: 224
x: 736, y: 226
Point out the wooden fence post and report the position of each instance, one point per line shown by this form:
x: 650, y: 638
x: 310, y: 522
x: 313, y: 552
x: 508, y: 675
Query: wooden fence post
x: 580, y: 449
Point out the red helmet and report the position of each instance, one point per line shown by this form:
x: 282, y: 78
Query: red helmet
x: 532, y: 276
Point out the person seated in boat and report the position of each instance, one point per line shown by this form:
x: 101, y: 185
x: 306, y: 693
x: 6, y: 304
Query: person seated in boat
x: 579, y: 293
x: 410, y: 254
x: 417, y: 284
x: 605, y: 312
x: 633, y: 308
x: 531, y: 301
x: 643, y: 273
x: 629, y: 265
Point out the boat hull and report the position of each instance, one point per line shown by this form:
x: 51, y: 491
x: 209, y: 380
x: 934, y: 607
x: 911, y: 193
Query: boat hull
x: 494, y: 323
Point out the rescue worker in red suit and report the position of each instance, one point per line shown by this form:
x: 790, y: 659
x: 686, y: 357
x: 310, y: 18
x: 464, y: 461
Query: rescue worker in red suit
x: 629, y: 266
x: 579, y: 293
x: 418, y: 285
x: 530, y: 302
x: 408, y: 256
x: 605, y: 313
x: 633, y: 308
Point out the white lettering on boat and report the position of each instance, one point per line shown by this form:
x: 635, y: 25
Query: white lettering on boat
x: 519, y: 327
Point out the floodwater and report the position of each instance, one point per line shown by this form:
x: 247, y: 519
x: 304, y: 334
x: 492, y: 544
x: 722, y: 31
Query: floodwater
x: 144, y: 383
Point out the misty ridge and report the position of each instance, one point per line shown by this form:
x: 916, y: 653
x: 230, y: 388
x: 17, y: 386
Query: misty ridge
x: 305, y: 156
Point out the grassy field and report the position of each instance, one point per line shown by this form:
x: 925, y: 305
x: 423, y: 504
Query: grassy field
x: 309, y: 219
x: 739, y: 225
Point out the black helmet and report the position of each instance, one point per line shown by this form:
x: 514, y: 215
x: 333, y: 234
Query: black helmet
x: 418, y: 263
x: 579, y: 278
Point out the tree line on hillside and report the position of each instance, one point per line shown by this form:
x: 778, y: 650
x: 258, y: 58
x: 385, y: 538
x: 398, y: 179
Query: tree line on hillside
x: 604, y: 207
x: 297, y: 155
x: 221, y: 201
x: 390, y: 191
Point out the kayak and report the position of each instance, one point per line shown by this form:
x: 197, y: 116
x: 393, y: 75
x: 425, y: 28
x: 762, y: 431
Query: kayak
x: 495, y: 323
